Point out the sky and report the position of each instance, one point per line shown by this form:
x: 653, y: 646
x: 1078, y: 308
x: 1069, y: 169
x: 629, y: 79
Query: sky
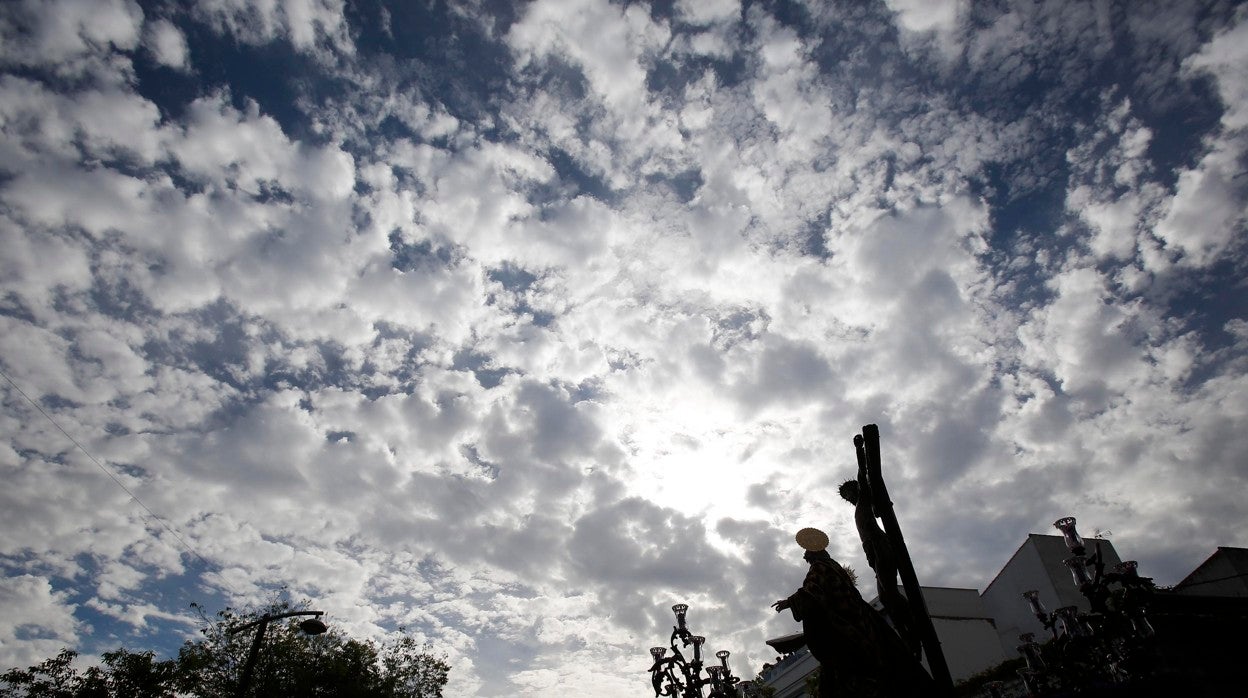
x: 513, y: 324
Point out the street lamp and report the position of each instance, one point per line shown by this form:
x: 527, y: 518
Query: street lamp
x: 311, y: 626
x: 677, y: 677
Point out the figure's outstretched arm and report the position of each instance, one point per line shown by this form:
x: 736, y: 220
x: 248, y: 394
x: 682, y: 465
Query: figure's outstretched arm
x: 798, y: 604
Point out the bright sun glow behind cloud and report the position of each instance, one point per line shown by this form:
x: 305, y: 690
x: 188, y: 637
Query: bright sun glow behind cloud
x: 515, y: 324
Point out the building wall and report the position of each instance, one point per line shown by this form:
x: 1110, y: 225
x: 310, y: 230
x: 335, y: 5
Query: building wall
x: 1223, y: 574
x: 788, y: 677
x: 970, y: 645
x: 950, y: 602
x: 968, y: 637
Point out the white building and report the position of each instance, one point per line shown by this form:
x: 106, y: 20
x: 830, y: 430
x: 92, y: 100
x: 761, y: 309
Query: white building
x: 788, y: 676
x: 1225, y: 573
x: 1037, y: 564
x: 968, y: 636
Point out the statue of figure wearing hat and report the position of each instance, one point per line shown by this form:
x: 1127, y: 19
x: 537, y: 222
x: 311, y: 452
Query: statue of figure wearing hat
x: 880, y: 557
x: 858, y: 653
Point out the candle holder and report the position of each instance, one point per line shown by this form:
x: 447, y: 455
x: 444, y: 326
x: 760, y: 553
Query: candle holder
x: 1030, y: 650
x: 1078, y: 566
x: 1113, y: 644
x: 677, y: 677
x: 1074, y: 541
x: 680, y: 610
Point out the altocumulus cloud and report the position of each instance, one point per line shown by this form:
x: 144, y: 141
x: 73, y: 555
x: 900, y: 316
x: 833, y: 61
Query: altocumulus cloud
x: 513, y: 325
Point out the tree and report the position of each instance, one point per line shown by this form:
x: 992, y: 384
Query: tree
x: 137, y: 674
x: 758, y: 688
x: 812, y: 682
x: 54, y: 677
x: 123, y: 673
x: 291, y: 663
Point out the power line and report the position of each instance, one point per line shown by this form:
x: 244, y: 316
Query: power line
x: 112, y: 476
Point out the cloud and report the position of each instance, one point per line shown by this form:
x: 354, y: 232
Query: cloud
x: 313, y: 26
x: 515, y: 327
x: 1207, y: 211
x: 103, y: 123
x: 33, y: 286
x: 32, y: 605
x: 937, y: 18
x: 620, y: 41
x: 1112, y: 187
x: 1092, y: 348
x: 708, y: 12
x: 1223, y: 57
x: 167, y: 44
x: 252, y: 148
x: 1022, y: 41
x: 64, y: 35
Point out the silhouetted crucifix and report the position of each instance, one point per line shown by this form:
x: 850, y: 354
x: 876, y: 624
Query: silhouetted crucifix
x: 880, y: 557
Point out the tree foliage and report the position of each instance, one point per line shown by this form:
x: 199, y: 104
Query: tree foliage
x: 812, y: 682
x: 1006, y: 671
x: 759, y: 689
x: 121, y: 673
x: 290, y: 663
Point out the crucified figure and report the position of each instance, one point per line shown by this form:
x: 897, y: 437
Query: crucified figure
x: 881, y: 558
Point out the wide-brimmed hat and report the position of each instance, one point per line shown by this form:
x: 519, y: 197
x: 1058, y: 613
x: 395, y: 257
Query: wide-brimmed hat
x: 812, y: 539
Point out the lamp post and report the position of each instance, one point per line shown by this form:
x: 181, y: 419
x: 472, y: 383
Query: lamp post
x: 311, y: 626
x: 680, y: 678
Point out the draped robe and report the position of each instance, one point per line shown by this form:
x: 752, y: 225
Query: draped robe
x: 859, y: 654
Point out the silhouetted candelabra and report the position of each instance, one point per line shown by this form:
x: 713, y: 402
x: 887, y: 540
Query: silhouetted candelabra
x: 1111, y: 644
x: 675, y: 676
